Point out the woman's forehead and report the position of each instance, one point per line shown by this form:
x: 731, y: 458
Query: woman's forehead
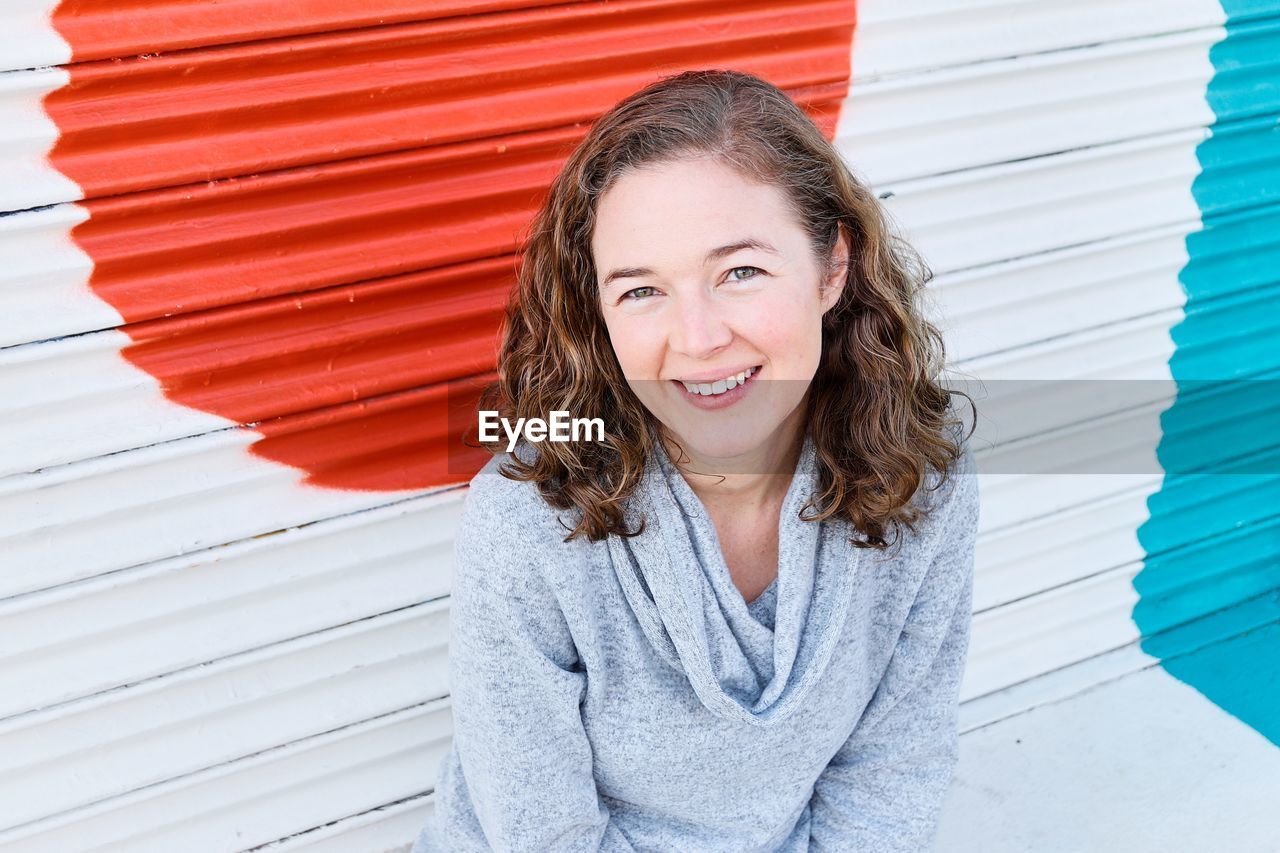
x: 684, y: 213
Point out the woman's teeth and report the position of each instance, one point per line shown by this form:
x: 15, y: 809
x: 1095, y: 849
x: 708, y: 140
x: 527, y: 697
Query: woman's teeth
x: 709, y: 389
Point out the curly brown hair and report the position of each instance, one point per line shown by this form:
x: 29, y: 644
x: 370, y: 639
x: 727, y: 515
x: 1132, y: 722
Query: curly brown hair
x: 877, y: 416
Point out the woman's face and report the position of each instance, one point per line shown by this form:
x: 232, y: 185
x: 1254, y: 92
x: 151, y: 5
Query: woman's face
x: 705, y: 276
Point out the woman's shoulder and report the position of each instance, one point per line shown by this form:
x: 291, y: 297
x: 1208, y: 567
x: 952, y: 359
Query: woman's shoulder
x: 947, y: 502
x: 495, y: 499
x: 950, y: 505
x: 955, y: 489
x: 507, y: 530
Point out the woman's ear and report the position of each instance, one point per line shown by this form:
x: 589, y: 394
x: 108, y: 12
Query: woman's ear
x: 834, y: 284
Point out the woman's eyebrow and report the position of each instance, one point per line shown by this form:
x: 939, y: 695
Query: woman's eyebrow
x: 714, y: 255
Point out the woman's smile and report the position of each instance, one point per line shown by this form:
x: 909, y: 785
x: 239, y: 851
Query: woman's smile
x: 718, y: 394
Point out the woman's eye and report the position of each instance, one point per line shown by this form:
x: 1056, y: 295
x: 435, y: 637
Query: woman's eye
x: 630, y: 294
x: 747, y: 278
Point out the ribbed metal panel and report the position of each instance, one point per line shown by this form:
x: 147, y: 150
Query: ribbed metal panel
x: 1139, y: 250
x: 40, y: 32
x: 896, y: 37
x: 187, y: 720
x: 133, y: 625
x: 1028, y: 106
x: 383, y: 828
x: 250, y: 244
x: 243, y: 271
x: 209, y: 675
x: 201, y: 115
x: 269, y: 795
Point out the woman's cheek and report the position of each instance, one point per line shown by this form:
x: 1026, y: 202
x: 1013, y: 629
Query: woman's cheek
x: 634, y: 350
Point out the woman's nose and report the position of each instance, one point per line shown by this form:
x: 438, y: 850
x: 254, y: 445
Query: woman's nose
x: 700, y: 329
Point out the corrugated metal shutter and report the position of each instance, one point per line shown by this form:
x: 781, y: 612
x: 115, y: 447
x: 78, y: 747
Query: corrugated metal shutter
x: 1096, y: 186
x: 249, y: 246
x: 1095, y: 195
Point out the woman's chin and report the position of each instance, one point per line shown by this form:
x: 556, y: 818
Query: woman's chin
x: 725, y: 449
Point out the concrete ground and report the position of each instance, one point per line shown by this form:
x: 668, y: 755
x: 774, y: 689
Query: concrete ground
x: 1142, y: 762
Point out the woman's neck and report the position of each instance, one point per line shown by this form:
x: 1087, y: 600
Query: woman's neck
x: 753, y: 480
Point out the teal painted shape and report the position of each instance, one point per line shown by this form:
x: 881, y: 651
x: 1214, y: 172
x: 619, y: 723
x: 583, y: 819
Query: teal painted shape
x: 1209, y: 589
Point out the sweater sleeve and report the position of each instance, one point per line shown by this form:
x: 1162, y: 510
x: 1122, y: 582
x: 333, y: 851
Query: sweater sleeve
x: 884, y: 789
x: 521, y: 751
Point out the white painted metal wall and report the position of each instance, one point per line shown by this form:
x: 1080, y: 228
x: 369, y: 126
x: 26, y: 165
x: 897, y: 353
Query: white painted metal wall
x: 1044, y: 171
x: 180, y: 676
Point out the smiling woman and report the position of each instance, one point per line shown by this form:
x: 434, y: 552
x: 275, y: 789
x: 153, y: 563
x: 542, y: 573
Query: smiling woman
x: 753, y: 635
x: 695, y: 317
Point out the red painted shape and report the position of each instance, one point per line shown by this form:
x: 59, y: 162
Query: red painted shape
x: 336, y: 308
x: 274, y: 103
x: 193, y: 248
x: 294, y: 354
x: 101, y: 29
x: 401, y: 441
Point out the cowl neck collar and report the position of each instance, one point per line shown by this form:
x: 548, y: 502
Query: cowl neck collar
x: 678, y: 585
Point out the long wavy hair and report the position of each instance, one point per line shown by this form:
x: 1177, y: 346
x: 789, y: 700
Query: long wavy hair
x: 877, y: 416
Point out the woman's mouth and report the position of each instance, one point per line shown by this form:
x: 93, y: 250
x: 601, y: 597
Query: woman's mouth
x: 720, y: 393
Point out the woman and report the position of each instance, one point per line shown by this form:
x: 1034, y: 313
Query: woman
x: 739, y: 621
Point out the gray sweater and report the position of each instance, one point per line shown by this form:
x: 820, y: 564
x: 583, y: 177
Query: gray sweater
x: 622, y: 696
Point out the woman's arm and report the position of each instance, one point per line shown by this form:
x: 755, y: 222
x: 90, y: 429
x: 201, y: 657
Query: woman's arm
x: 516, y: 684
x: 884, y: 789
